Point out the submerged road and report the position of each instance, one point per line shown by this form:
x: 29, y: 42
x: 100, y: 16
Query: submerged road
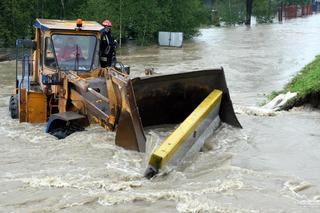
x: 271, y: 165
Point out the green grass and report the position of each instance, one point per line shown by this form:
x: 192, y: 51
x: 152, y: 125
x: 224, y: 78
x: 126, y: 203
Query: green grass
x: 306, y: 82
x: 274, y: 94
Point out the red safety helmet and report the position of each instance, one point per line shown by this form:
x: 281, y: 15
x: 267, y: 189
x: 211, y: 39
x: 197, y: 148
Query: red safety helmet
x: 107, y: 23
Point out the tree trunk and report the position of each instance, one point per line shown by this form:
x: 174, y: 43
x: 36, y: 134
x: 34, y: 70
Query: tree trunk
x: 249, y: 12
x: 280, y: 12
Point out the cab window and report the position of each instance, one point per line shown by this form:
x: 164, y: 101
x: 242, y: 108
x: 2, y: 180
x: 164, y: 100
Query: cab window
x: 75, y: 52
x: 49, y: 57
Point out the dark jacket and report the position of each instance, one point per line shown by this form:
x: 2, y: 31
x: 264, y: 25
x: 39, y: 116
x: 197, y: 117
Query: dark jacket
x: 107, y: 50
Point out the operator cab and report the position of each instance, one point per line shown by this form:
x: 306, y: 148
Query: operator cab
x: 69, y: 45
x: 71, y: 52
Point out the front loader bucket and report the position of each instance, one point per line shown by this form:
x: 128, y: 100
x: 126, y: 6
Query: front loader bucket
x: 169, y: 99
x: 198, y: 100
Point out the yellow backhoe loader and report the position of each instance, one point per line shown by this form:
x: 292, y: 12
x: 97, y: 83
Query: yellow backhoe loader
x: 59, y: 80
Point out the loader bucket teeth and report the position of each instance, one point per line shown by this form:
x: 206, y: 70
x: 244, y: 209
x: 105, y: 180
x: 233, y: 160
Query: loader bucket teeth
x: 129, y: 130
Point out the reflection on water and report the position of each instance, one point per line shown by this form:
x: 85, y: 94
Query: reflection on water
x: 269, y: 166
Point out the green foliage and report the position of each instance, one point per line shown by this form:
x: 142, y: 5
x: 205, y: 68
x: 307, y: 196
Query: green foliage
x: 140, y: 19
x: 234, y: 11
x: 274, y: 94
x: 99, y: 10
x: 183, y: 16
x: 11, y: 22
x: 295, y: 2
x: 307, y: 81
x: 264, y: 10
x: 18, y: 16
x: 231, y: 11
x: 140, y: 22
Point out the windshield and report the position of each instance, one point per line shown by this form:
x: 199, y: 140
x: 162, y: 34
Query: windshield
x: 75, y: 52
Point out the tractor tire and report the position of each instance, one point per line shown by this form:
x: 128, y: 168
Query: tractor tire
x: 14, y: 107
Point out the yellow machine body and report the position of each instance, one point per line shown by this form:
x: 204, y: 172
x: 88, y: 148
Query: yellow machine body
x: 33, y: 107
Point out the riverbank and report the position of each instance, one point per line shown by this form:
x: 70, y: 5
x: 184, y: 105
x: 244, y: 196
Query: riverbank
x: 306, y: 84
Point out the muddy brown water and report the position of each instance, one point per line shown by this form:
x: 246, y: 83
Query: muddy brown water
x: 271, y: 165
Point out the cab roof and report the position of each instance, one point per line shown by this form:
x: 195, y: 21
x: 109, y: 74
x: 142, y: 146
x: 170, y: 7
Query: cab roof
x: 53, y: 24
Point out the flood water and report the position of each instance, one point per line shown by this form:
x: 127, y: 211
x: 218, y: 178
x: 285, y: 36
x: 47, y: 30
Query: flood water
x: 271, y: 165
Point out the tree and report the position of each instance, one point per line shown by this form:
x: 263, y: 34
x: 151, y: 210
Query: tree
x: 140, y: 19
x: 231, y: 11
x: 240, y: 12
x: 265, y: 10
x: 17, y: 16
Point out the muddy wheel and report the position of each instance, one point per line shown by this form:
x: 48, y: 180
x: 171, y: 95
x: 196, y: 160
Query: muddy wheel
x: 14, y: 107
